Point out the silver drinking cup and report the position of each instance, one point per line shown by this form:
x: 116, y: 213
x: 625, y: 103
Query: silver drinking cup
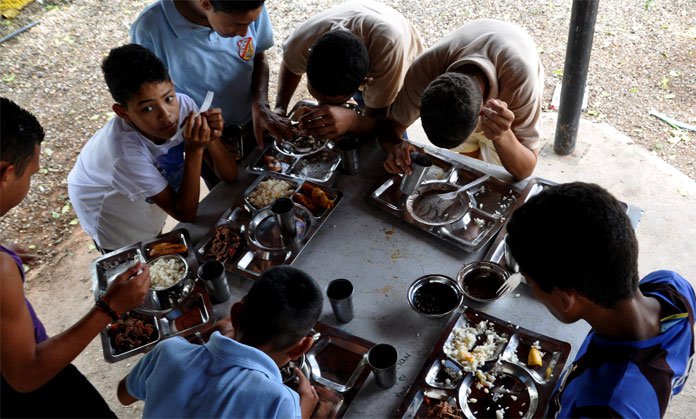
x: 350, y: 157
x: 382, y: 359
x: 283, y: 210
x: 340, y: 294
x: 213, y: 275
x: 420, y: 164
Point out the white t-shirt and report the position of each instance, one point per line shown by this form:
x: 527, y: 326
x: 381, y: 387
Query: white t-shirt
x: 115, y: 173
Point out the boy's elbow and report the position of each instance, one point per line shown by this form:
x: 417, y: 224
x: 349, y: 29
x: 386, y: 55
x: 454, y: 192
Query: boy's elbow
x: 124, y: 396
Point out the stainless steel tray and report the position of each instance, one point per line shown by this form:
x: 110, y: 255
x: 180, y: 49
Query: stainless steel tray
x: 489, y: 204
x: 520, y: 391
x: 320, y: 167
x: 196, y: 305
x: 260, y: 245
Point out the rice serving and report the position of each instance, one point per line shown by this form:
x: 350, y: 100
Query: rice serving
x: 463, y: 348
x: 269, y: 190
x: 165, y: 272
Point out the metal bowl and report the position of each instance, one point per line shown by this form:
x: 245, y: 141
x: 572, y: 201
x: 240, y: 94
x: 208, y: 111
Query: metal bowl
x: 434, y: 296
x: 160, y: 301
x: 480, y: 280
x: 419, y: 203
x: 287, y: 372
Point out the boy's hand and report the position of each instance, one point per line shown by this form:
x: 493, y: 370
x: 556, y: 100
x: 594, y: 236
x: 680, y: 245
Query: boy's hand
x: 399, y: 158
x: 196, y: 132
x: 326, y: 121
x: 266, y: 121
x: 215, y: 122
x: 308, y: 394
x: 129, y: 289
x: 496, y: 119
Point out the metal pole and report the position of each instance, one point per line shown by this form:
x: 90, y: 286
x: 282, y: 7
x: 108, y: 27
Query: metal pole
x: 580, y: 33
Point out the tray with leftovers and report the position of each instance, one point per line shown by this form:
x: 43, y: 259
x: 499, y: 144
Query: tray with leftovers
x: 483, y: 366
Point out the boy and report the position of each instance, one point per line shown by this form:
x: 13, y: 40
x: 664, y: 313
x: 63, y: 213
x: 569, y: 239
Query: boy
x: 478, y: 91
x: 575, y: 245
x: 38, y: 379
x: 139, y: 168
x: 362, y: 45
x: 219, y: 46
x: 236, y: 374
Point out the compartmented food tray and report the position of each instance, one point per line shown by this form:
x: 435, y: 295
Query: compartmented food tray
x: 140, y: 329
x: 486, y: 206
x: 247, y: 240
x: 320, y: 167
x: 339, y: 368
x: 481, y: 367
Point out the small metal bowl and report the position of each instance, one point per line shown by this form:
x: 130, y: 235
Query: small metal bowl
x: 480, y: 280
x: 434, y: 296
x: 163, y: 300
x: 287, y: 372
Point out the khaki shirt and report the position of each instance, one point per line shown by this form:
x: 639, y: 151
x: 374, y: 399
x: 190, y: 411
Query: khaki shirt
x: 508, y: 57
x: 392, y: 44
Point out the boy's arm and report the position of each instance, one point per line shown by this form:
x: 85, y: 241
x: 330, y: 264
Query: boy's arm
x: 222, y: 160
x: 287, y: 84
x: 326, y: 121
x: 183, y: 205
x: 123, y: 395
x: 26, y: 365
x: 264, y: 119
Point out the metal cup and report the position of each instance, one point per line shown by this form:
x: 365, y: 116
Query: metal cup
x: 350, y: 157
x: 340, y: 294
x: 283, y: 210
x: 382, y: 359
x: 215, y: 279
x: 420, y: 164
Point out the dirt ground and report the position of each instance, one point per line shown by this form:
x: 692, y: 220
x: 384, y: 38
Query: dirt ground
x: 644, y: 57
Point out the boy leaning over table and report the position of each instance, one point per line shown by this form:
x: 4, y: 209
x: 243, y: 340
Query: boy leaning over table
x: 236, y: 373
x: 145, y: 163
x: 575, y: 246
x: 220, y: 46
x: 357, y: 48
x: 38, y: 379
x: 478, y: 92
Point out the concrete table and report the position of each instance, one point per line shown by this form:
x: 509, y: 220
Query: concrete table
x: 382, y: 256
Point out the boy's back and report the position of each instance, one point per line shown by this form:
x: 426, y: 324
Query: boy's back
x: 613, y: 378
x: 222, y: 378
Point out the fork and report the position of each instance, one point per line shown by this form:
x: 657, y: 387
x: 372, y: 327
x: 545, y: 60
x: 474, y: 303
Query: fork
x: 509, y: 285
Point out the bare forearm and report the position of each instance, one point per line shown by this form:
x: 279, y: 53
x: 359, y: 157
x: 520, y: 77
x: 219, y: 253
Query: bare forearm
x: 223, y: 161
x: 123, y: 395
x: 259, y: 80
x: 54, y: 354
x: 517, y: 159
x: 186, y: 198
x: 287, y: 84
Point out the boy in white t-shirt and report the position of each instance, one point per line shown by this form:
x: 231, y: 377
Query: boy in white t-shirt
x: 140, y: 167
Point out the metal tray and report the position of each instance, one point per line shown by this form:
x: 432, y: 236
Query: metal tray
x: 320, y: 167
x: 260, y: 246
x: 194, y: 315
x: 489, y: 204
x: 444, y: 379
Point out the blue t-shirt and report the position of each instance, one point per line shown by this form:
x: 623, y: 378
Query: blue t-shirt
x: 611, y: 378
x: 220, y: 379
x: 199, y: 59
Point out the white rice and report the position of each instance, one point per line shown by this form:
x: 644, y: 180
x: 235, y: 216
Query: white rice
x: 268, y: 190
x: 166, y: 272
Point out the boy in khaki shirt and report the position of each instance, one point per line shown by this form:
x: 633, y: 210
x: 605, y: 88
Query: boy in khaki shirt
x: 477, y: 91
x: 357, y: 45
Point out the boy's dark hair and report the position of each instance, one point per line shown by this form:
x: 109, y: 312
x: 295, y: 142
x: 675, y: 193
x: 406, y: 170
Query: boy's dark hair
x: 450, y: 108
x: 576, y: 236
x: 128, y: 67
x: 20, y: 131
x: 338, y: 62
x: 227, y: 6
x: 280, y: 309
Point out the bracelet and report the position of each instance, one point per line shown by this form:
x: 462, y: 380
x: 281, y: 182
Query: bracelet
x: 102, y: 304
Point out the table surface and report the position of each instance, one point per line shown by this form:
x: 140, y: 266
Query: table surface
x: 382, y: 256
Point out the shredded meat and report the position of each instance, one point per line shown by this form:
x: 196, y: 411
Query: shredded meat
x: 224, y: 244
x: 130, y: 333
x: 444, y: 410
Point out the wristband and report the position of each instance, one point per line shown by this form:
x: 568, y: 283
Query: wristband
x: 102, y: 304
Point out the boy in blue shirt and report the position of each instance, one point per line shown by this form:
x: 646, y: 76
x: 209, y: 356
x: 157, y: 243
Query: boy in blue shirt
x: 236, y: 374
x: 146, y: 163
x: 219, y: 46
x: 575, y: 245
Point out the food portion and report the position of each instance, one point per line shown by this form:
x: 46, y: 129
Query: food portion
x: 223, y: 247
x: 269, y: 190
x: 473, y: 346
x: 445, y: 410
x: 302, y: 144
x: 166, y: 271
x: 435, y: 298
x: 534, y: 359
x: 313, y: 198
x: 130, y: 333
x: 272, y: 164
x: 162, y: 249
